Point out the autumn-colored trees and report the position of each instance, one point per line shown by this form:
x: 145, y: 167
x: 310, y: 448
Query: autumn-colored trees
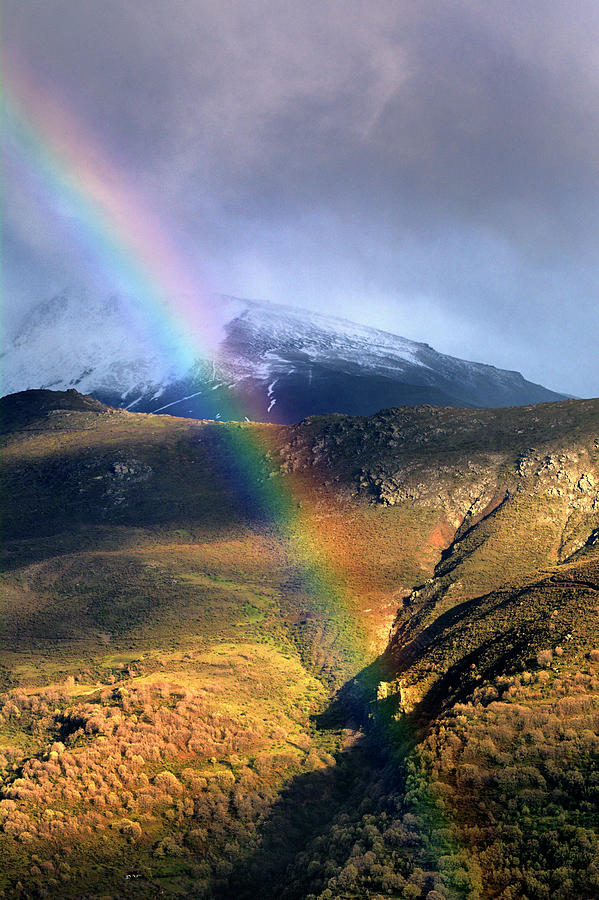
x: 154, y: 766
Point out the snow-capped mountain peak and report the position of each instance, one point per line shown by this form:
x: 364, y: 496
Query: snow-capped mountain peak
x: 277, y: 363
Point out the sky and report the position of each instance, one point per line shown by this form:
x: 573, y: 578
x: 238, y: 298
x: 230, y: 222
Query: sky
x: 430, y: 168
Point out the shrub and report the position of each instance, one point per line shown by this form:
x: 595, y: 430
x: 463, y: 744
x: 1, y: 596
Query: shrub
x: 545, y: 658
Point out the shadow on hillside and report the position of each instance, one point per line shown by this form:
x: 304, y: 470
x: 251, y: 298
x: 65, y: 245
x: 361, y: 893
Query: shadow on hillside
x: 53, y: 504
x: 89, y: 538
x: 460, y: 615
x: 311, y: 802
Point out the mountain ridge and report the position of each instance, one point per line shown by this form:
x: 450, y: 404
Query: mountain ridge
x: 275, y: 363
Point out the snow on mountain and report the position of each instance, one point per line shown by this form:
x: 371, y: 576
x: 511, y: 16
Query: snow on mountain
x: 276, y: 363
x: 107, y: 345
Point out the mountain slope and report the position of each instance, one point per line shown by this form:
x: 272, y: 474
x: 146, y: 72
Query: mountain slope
x: 385, y: 683
x: 269, y: 362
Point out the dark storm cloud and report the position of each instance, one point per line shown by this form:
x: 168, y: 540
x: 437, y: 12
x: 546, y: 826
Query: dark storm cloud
x: 431, y: 166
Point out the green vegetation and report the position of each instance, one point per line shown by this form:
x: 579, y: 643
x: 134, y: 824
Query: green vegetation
x: 198, y: 693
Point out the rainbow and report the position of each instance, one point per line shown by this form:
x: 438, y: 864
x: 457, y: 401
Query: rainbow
x: 64, y: 168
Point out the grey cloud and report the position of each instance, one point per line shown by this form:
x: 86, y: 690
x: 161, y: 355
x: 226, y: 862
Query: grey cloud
x: 429, y: 166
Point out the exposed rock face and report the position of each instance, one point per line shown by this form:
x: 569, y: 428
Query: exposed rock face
x: 518, y: 489
x: 122, y: 475
x: 462, y: 459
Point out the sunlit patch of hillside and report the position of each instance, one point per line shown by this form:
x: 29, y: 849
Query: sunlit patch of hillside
x: 165, y: 772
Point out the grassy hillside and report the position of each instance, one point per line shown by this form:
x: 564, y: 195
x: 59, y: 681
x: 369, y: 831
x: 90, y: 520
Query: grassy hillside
x: 138, y: 550
x: 200, y: 693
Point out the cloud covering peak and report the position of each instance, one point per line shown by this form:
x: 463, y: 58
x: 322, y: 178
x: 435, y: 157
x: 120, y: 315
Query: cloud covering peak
x: 427, y: 167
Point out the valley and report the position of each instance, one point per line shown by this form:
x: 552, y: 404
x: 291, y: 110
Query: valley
x: 354, y: 657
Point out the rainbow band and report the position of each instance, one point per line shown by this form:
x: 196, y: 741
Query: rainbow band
x: 67, y: 171
x: 63, y: 167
